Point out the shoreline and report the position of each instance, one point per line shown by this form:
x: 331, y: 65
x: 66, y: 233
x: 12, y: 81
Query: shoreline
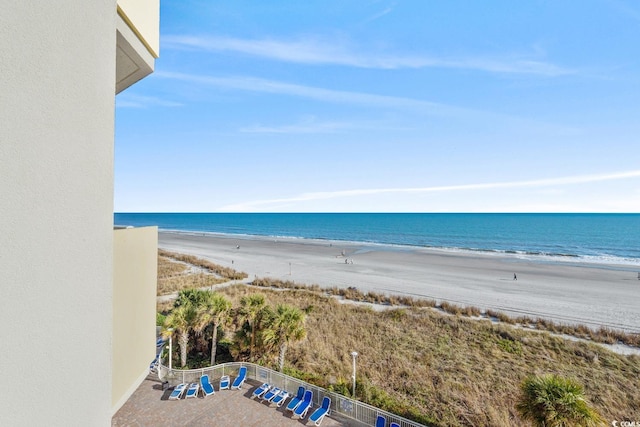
x: 572, y: 293
x: 609, y: 262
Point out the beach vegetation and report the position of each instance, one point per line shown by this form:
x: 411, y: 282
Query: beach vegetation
x: 174, y: 284
x: 439, y: 369
x: 285, y: 324
x: 180, y: 322
x: 212, y: 268
x: 510, y: 346
x: 168, y: 268
x: 255, y: 314
x: 553, y: 401
x: 196, y: 315
x: 213, y: 312
x: 178, y: 271
x: 602, y: 335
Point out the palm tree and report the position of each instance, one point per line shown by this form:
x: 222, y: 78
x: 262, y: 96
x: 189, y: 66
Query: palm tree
x: 554, y: 401
x: 285, y: 325
x: 190, y: 296
x: 239, y: 348
x: 214, y: 310
x: 252, y: 308
x: 182, y: 320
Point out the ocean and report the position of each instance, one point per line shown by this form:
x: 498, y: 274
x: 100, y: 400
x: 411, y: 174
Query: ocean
x: 590, y: 238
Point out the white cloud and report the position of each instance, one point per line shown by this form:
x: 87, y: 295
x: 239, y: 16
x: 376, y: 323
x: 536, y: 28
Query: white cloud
x: 253, y: 84
x: 382, y: 13
x: 311, y: 125
x: 302, y: 128
x: 316, y: 51
x: 279, y: 203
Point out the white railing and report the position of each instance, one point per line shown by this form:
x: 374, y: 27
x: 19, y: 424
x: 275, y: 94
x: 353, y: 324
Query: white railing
x: 340, y: 404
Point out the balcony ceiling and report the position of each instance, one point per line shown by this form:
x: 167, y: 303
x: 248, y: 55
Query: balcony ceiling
x: 133, y: 59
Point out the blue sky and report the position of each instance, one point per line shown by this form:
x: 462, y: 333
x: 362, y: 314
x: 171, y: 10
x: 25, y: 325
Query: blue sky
x: 385, y: 106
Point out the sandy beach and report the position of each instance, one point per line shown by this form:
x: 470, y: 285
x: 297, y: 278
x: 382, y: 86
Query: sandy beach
x: 590, y: 294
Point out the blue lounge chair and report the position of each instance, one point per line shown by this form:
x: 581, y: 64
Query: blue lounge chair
x: 280, y: 398
x: 318, y: 414
x: 260, y: 390
x: 206, y: 386
x: 224, y: 382
x: 394, y: 425
x: 192, y: 391
x: 177, y: 391
x: 381, y: 421
x: 304, y: 406
x: 242, y: 375
x: 269, y: 395
x: 293, y: 403
x: 153, y: 366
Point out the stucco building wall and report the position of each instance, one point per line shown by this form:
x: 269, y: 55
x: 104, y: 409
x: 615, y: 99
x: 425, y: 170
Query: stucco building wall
x: 135, y: 267
x: 57, y: 62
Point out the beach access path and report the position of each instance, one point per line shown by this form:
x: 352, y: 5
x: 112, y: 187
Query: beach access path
x: 573, y: 293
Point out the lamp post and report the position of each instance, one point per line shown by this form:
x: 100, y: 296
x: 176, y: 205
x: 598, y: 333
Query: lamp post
x: 354, y: 355
x: 170, y: 347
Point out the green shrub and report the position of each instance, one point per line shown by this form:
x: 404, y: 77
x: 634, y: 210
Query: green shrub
x: 513, y: 347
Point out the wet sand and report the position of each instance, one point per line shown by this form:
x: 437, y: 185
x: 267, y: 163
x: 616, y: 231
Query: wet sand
x: 578, y: 293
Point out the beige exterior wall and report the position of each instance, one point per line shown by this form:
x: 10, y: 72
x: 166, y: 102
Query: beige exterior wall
x: 57, y: 95
x: 144, y: 18
x: 57, y: 62
x: 135, y: 266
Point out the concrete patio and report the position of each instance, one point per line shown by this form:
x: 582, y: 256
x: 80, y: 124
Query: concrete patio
x: 150, y: 406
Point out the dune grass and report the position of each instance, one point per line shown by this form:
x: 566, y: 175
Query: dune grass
x: 174, y: 276
x: 178, y: 271
x: 223, y: 272
x: 445, y: 370
x: 601, y: 335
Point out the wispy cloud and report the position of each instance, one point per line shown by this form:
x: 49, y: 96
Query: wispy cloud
x: 381, y: 13
x: 311, y: 125
x: 302, y: 128
x: 253, y: 84
x: 127, y: 100
x: 258, y: 205
x: 317, y: 51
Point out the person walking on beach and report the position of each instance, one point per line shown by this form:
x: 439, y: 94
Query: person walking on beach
x: 515, y: 277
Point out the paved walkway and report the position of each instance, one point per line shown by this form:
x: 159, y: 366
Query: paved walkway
x: 149, y: 406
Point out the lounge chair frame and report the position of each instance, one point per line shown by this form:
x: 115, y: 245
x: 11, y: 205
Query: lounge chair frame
x: 240, y: 379
x: 270, y: 394
x: 178, y: 391
x: 304, y: 406
x: 260, y: 391
x: 295, y: 401
x: 192, y: 391
x: 205, y: 386
x: 225, y: 382
x: 319, y: 414
x: 280, y: 398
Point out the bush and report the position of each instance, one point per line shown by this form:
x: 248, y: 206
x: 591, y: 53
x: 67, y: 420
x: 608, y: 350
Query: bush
x: 160, y: 319
x: 554, y: 401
